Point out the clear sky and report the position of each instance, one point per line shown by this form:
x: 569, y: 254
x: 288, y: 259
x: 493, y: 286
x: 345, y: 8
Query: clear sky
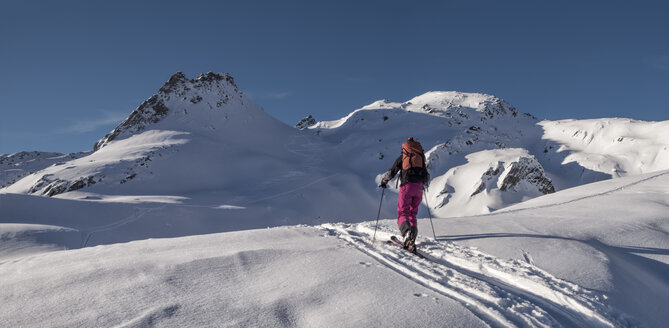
x: 70, y: 71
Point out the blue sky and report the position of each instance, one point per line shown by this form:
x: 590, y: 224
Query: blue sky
x: 70, y: 71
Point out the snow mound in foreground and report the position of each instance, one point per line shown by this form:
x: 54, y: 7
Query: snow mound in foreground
x: 291, y: 276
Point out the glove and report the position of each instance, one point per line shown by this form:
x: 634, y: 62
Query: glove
x: 383, y: 184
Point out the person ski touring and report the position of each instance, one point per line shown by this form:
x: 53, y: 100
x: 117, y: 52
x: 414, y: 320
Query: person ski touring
x: 413, y: 178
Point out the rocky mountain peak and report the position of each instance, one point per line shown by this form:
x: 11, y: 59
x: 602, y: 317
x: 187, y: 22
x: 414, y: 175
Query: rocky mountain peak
x: 179, y: 83
x: 450, y: 103
x: 175, y: 82
x: 179, y: 94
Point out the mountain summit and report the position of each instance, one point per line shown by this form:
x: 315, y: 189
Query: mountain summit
x: 193, y: 134
x: 211, y: 94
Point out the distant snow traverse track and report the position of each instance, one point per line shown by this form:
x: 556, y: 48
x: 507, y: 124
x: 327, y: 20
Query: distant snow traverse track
x: 502, y: 293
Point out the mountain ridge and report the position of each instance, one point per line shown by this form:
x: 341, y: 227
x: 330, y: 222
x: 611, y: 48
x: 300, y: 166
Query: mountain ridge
x: 198, y: 124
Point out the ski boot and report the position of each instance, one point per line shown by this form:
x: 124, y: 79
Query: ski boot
x: 410, y: 240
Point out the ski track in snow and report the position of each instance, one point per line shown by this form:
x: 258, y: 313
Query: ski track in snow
x: 152, y: 317
x: 304, y: 147
x: 136, y: 215
x: 502, y: 293
x: 288, y: 192
x: 502, y: 211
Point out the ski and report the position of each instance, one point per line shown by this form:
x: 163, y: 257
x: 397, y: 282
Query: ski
x: 396, y: 241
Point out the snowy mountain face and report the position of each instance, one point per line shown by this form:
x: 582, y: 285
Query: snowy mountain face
x: 202, y: 139
x: 614, y: 146
x: 470, y: 139
x: 211, y: 90
x: 13, y: 167
x: 509, y: 176
x: 209, y: 112
x: 200, y: 142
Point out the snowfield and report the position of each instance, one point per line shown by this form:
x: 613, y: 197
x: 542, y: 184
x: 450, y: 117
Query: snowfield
x: 593, y: 256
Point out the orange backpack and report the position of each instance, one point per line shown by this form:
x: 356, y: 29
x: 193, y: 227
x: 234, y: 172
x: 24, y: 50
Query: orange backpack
x: 412, y: 155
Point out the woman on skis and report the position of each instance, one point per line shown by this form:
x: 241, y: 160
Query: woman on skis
x: 413, y: 178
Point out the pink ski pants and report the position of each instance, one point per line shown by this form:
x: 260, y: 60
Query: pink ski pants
x: 411, y: 195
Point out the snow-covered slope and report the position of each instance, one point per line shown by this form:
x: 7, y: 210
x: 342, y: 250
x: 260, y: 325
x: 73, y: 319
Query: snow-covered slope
x: 614, y: 146
x: 490, y: 180
x: 474, y: 133
x: 201, y: 142
x: 208, y: 117
x: 450, y: 126
x: 593, y: 256
x: 13, y: 167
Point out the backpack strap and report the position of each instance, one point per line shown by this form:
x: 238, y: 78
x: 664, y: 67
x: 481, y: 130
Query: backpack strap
x: 410, y: 157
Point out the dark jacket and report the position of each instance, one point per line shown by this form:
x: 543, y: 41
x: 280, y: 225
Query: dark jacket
x: 410, y: 175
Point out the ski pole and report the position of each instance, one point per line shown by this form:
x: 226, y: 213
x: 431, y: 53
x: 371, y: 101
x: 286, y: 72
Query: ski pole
x: 378, y: 214
x: 430, y: 215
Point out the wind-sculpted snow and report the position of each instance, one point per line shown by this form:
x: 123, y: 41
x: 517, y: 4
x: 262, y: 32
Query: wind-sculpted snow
x: 502, y: 293
x: 282, y: 277
x: 290, y: 277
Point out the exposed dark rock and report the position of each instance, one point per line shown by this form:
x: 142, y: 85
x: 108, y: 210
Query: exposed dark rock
x: 525, y: 169
x: 128, y: 178
x: 531, y: 171
x: 305, y: 122
x: 175, y: 80
x: 427, y: 108
x: 82, y: 182
x: 487, y: 176
x: 37, y: 185
x: 56, y: 187
x: 150, y: 111
x: 77, y: 185
x: 499, y: 107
